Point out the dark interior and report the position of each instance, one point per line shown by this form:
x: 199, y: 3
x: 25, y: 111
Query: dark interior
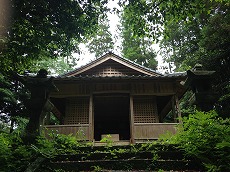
x: 60, y: 104
x: 111, y: 116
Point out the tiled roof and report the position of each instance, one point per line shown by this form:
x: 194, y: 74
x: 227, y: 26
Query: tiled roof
x: 87, y: 77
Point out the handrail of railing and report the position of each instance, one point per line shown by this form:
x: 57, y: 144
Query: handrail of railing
x: 69, y: 125
x: 156, y: 123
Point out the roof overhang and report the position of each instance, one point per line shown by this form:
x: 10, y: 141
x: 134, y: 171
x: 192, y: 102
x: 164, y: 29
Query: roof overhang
x: 110, y: 56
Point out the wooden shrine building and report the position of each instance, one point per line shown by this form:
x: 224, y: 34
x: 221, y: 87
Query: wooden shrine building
x: 115, y: 96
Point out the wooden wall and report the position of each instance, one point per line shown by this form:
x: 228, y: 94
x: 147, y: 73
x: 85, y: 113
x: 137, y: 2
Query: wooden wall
x: 152, y: 131
x: 132, y: 87
x: 81, y: 131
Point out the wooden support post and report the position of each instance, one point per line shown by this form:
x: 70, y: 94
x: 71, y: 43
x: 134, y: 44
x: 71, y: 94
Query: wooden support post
x: 131, y: 120
x: 91, y: 122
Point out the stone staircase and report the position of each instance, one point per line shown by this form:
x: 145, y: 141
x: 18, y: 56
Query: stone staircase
x: 124, y: 158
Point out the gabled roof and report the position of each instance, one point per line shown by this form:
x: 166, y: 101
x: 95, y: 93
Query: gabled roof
x: 112, y: 65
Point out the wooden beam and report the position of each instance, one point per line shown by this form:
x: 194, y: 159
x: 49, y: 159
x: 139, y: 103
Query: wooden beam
x: 91, y: 122
x: 69, y: 95
x: 131, y: 120
x: 154, y: 94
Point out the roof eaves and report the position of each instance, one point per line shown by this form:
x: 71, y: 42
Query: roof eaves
x: 94, y: 77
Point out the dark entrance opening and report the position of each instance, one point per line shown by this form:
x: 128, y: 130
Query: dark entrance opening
x: 111, y: 115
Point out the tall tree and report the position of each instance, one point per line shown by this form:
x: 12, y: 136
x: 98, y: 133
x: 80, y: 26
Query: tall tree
x: 102, y: 41
x: 11, y: 101
x: 136, y: 48
x: 205, y: 40
x: 48, y: 28
x: 7, y: 97
x: 180, y: 44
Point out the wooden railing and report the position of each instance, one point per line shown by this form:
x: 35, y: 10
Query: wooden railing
x: 145, y: 131
x: 142, y: 131
x: 81, y: 131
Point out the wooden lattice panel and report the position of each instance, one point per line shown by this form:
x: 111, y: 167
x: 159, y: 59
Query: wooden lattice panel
x: 77, y: 111
x: 109, y: 71
x: 145, y: 109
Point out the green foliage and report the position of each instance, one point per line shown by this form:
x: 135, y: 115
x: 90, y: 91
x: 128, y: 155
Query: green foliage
x: 102, y: 41
x: 107, y: 140
x: 136, y: 48
x: 185, y: 104
x: 12, y: 97
x: 202, y: 38
x: 14, y: 155
x: 207, y: 137
x: 55, y: 66
x: 180, y: 44
x: 5, y: 152
x: 6, y: 94
x: 97, y: 168
x: 56, y: 144
x: 48, y: 28
x: 222, y: 106
x: 148, y: 17
x: 17, y: 156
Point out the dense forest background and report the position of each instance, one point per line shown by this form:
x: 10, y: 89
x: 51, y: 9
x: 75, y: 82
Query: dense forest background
x: 46, y: 33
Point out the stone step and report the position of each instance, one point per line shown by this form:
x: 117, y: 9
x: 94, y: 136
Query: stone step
x: 126, y: 164
x: 165, y: 155
x: 130, y: 157
x: 140, y: 147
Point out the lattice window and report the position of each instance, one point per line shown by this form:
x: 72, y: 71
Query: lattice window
x: 109, y: 71
x: 77, y: 111
x: 111, y: 68
x: 145, y: 109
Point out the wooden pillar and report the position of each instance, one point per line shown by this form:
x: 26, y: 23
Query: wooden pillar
x: 91, y: 122
x: 131, y: 120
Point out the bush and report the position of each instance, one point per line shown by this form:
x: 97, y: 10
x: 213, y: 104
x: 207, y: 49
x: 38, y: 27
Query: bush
x: 5, y: 151
x: 17, y: 156
x: 206, y: 136
x: 56, y: 144
x: 14, y: 156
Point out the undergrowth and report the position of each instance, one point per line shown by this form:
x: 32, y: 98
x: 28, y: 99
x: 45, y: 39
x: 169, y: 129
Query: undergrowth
x: 205, y: 136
